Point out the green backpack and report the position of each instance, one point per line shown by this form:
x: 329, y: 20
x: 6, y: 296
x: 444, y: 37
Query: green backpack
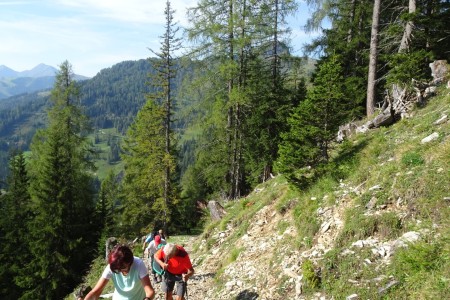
x: 156, y: 267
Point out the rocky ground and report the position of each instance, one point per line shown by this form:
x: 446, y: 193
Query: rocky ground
x: 251, y: 275
x: 266, y: 266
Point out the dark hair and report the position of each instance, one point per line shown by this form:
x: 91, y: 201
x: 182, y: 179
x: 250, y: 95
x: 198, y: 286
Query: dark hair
x: 120, y: 257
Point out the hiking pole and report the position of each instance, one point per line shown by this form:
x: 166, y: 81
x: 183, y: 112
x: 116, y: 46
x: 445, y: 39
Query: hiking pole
x: 185, y: 289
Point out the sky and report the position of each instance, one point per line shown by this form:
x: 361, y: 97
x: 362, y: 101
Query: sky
x: 95, y: 34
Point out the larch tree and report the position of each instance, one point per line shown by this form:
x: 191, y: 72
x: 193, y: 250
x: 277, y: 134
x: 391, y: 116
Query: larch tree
x: 236, y: 36
x: 214, y: 27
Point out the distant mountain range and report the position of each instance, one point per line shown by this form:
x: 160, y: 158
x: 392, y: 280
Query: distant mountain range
x: 40, y: 70
x: 39, y: 78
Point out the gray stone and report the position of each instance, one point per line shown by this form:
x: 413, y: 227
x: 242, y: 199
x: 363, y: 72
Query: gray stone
x: 375, y: 187
x: 430, y: 138
x: 363, y: 129
x: 371, y: 203
x: 388, y: 286
x: 326, y: 226
x: 441, y: 120
x: 346, y: 131
x: 429, y: 91
x: 439, y: 70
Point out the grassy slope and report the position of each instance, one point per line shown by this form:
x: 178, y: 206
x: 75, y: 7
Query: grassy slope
x: 413, y: 196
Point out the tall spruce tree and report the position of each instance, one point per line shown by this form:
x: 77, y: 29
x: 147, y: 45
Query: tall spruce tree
x: 349, y: 36
x: 153, y: 135
x: 314, y: 123
x: 143, y: 157
x: 15, y: 214
x: 62, y: 197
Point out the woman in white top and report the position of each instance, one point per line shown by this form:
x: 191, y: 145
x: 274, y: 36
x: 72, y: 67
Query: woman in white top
x: 129, y: 275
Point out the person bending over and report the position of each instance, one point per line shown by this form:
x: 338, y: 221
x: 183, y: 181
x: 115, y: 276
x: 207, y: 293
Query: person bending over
x: 178, y: 268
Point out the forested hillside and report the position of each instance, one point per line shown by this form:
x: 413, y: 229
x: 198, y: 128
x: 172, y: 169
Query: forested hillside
x: 111, y: 100
x: 234, y: 112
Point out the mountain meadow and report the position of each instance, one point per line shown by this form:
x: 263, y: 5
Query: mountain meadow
x: 285, y: 177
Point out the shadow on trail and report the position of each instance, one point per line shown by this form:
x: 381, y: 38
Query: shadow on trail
x: 247, y: 295
x: 201, y: 276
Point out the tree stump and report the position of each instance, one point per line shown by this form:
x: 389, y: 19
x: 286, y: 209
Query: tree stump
x: 216, y: 210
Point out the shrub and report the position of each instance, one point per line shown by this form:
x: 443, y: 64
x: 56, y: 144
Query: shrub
x: 310, y: 275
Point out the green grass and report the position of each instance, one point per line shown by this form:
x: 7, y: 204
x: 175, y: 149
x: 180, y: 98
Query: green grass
x: 342, y: 274
x: 423, y: 270
x: 412, y: 158
x: 410, y: 174
x: 312, y: 279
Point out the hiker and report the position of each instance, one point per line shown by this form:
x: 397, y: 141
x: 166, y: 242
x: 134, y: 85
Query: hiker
x: 148, y: 239
x: 178, y: 268
x: 151, y: 249
x: 161, y: 234
x: 126, y: 271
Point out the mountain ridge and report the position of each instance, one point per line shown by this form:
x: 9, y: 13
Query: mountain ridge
x: 40, y: 70
x: 41, y: 77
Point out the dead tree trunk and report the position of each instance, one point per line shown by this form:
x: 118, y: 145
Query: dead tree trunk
x: 373, y: 59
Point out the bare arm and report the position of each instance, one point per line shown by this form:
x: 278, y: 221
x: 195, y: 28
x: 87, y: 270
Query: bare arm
x: 95, y: 293
x: 149, y: 291
x: 187, y: 275
x: 160, y: 262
